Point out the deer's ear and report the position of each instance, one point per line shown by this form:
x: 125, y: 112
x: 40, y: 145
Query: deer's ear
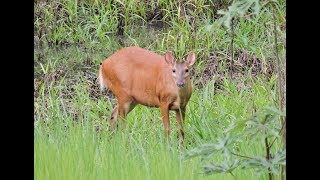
x: 191, y: 59
x: 169, y: 58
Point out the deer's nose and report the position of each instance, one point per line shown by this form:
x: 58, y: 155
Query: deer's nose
x: 180, y: 84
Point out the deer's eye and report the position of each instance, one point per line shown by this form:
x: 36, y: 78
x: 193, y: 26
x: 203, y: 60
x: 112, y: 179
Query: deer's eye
x: 173, y: 70
x: 187, y: 70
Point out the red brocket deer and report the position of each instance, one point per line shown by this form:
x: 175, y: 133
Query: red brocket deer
x: 138, y: 76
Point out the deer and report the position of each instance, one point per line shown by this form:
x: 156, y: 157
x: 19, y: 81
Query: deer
x: 139, y: 76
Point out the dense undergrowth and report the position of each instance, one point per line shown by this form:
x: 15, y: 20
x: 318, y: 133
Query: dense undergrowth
x: 71, y: 140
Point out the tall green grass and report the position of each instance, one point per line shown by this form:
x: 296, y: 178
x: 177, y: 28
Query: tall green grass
x: 71, y: 139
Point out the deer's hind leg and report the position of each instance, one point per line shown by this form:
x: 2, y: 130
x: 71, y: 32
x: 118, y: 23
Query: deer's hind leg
x: 125, y: 104
x: 124, y: 108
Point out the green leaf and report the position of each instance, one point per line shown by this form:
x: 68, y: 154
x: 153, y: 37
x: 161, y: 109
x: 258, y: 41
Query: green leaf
x: 279, y: 158
x: 239, y: 8
x: 262, y: 164
x: 274, y: 111
x: 264, y: 124
x: 203, y: 150
x: 257, y: 162
x: 212, y: 168
x: 224, y: 168
x: 256, y: 8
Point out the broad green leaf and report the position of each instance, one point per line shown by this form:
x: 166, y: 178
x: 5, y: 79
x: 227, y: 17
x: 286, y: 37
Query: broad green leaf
x: 225, y: 167
x: 205, y: 149
x: 239, y: 8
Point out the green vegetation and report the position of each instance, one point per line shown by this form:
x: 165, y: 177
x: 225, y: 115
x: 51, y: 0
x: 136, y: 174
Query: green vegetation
x: 71, y: 137
x: 71, y: 141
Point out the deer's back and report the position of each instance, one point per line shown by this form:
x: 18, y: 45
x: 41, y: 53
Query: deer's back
x: 136, y: 72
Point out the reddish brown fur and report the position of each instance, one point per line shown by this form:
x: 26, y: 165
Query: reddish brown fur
x: 138, y: 76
